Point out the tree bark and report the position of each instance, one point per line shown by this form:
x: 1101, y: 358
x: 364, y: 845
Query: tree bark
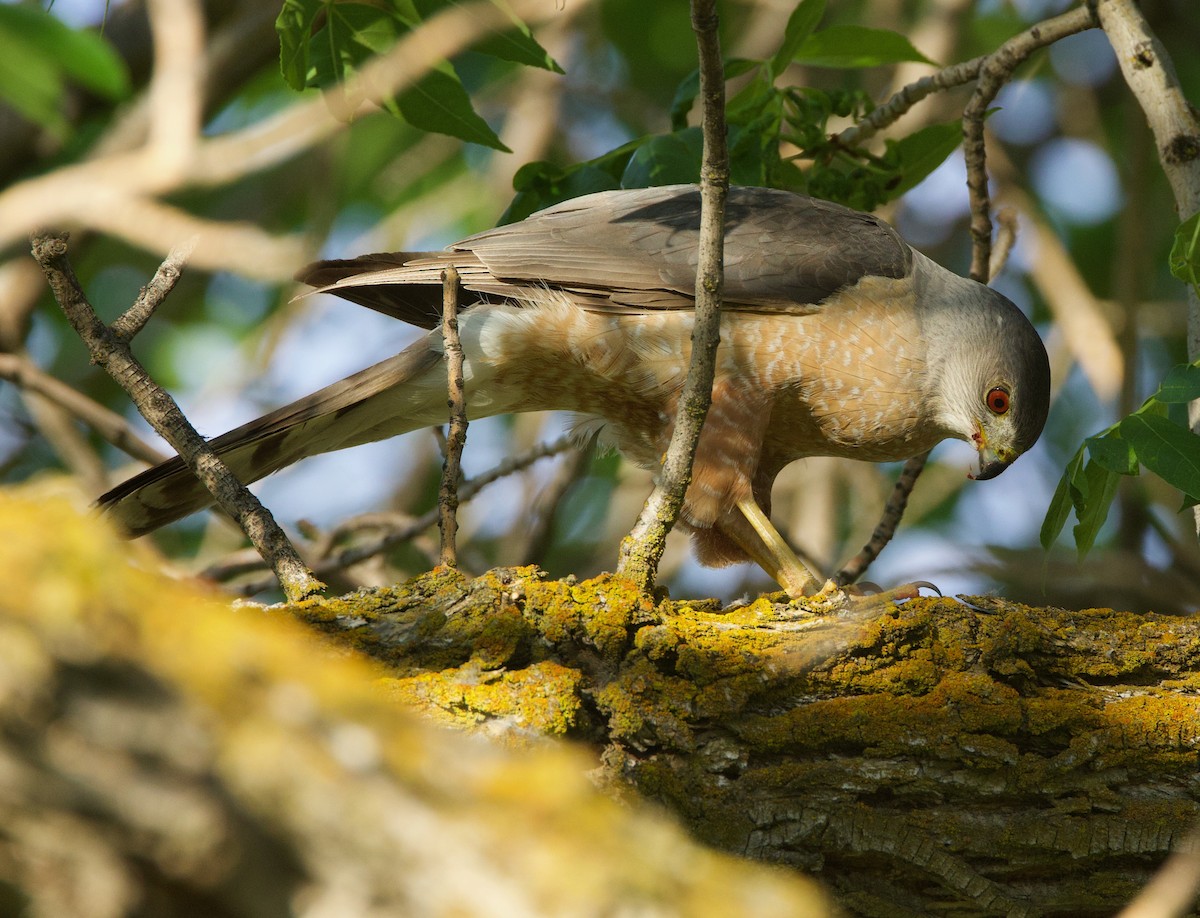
x: 972, y: 758
x: 161, y: 753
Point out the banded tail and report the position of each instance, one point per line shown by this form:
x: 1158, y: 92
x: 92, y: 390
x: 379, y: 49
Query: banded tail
x: 402, y: 393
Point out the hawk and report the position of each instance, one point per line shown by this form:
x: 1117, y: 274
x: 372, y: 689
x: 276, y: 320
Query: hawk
x: 837, y: 339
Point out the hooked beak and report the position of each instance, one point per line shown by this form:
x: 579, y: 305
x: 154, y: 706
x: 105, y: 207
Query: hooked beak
x: 992, y: 461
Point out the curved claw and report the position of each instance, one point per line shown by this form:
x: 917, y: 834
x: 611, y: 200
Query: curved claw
x: 903, y: 591
x: 918, y: 584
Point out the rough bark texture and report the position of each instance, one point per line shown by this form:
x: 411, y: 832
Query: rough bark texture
x: 939, y: 757
x: 165, y: 755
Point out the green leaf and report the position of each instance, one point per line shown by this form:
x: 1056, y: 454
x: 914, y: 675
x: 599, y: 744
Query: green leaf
x: 517, y: 44
x: 540, y: 184
x: 1181, y: 385
x: 1185, y: 252
x: 852, y: 47
x: 1060, y: 507
x: 922, y: 152
x: 294, y: 25
x: 406, y: 12
x: 805, y: 17
x: 438, y: 102
x: 1113, y: 453
x: 666, y: 159
x: 83, y: 55
x: 29, y: 81
x: 352, y: 33
x: 1095, y: 488
x: 39, y: 52
x: 753, y: 100
x: 1169, y: 450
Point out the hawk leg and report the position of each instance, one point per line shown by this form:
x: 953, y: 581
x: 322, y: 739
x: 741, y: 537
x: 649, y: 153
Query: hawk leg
x: 757, y: 537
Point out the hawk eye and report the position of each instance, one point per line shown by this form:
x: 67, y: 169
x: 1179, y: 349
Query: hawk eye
x: 998, y: 400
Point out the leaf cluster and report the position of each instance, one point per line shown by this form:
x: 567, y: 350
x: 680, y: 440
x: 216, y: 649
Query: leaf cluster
x: 1148, y: 437
x: 778, y: 135
x: 40, y: 55
x: 323, y: 42
x: 1155, y: 436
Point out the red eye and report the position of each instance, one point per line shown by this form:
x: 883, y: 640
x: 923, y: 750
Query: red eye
x: 997, y: 400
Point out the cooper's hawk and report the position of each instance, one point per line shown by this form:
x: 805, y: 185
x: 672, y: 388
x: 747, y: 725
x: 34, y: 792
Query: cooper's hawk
x: 837, y: 339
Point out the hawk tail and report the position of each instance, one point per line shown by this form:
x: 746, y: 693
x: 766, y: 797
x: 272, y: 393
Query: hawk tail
x: 402, y: 393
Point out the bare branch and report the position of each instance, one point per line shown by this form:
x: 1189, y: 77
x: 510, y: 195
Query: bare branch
x: 111, y: 426
x: 1006, y: 238
x: 156, y: 406
x: 106, y: 192
x: 153, y: 226
x: 134, y: 319
x: 456, y: 439
x: 993, y: 71
x: 538, y: 532
x: 886, y: 528
x: 642, y: 549
x: 176, y: 89
x: 397, y: 530
x: 898, y: 105
x: 997, y: 70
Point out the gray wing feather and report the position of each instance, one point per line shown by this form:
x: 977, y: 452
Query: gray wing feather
x: 636, y: 251
x: 781, y: 249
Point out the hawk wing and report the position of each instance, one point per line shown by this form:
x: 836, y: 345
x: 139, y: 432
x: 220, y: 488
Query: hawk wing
x: 636, y: 250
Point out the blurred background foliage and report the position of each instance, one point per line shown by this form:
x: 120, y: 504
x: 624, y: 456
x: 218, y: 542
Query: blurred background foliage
x: 605, y: 96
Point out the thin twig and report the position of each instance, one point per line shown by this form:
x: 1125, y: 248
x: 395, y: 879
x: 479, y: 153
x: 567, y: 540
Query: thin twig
x: 456, y: 438
x: 537, y: 536
x: 396, y: 533
x: 886, y: 528
x: 952, y: 76
x: 996, y: 71
x: 160, y: 410
x: 134, y: 319
x: 111, y: 426
x: 642, y: 549
x: 1006, y: 238
x: 905, y: 98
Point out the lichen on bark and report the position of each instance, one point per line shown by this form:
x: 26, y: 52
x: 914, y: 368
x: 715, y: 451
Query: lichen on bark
x: 977, y: 755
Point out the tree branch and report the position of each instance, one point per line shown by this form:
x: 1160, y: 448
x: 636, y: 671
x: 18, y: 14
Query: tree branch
x: 102, y: 193
x: 108, y: 424
x: 1040, y: 35
x: 992, y: 71
x: 113, y: 354
x: 997, y: 70
x: 456, y: 438
x: 134, y: 319
x: 642, y: 549
x: 396, y: 532
x: 893, y: 511
x: 1151, y: 76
